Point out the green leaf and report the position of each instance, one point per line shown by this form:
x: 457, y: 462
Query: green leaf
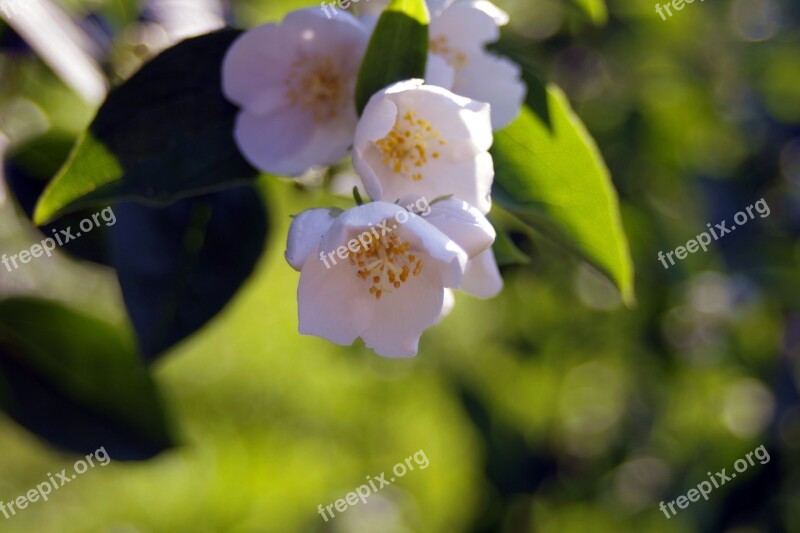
x: 27, y: 171
x: 165, y: 134
x: 398, y: 49
x: 77, y: 381
x: 551, y: 176
x: 506, y: 253
x: 595, y: 10
x: 175, y: 265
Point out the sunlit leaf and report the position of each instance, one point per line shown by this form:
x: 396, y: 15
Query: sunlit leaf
x: 550, y: 174
x: 398, y: 49
x: 165, y: 134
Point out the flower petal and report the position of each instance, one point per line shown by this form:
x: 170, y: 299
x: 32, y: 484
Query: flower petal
x: 450, y: 259
x: 402, y: 316
x: 268, y: 142
x: 448, y: 305
x: 463, y: 223
x: 330, y: 302
x: 254, y: 69
x: 469, y: 180
x: 439, y: 73
x: 287, y: 143
x: 495, y: 80
x: 305, y: 235
x: 482, y: 278
x: 468, y: 26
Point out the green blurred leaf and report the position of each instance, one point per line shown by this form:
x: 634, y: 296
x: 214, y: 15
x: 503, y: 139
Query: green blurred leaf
x: 596, y: 10
x: 398, y: 49
x: 77, y: 381
x: 506, y: 252
x: 551, y: 176
x: 165, y: 134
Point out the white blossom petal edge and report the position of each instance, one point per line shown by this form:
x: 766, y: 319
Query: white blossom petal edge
x: 459, y: 33
x: 295, y: 83
x: 377, y: 272
x: 424, y: 140
x: 466, y: 225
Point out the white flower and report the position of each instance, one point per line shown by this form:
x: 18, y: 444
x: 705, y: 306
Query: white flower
x: 295, y: 83
x: 459, y: 34
x: 424, y: 140
x: 458, y: 60
x: 453, y: 217
x: 379, y: 272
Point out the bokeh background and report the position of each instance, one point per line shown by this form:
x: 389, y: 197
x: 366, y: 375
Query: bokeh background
x: 552, y: 408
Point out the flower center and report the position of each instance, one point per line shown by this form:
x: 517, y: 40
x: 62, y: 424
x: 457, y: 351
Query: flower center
x: 455, y: 58
x: 317, y: 85
x: 386, y: 264
x: 405, y: 149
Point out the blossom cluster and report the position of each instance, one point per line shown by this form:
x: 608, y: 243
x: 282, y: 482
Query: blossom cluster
x: 294, y: 83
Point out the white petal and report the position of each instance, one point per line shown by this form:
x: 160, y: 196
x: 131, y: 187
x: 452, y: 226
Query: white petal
x: 448, y: 305
x: 305, y: 235
x: 499, y: 16
x: 268, y: 142
x: 482, y: 278
x: 332, y: 302
x: 468, y: 26
x: 454, y: 116
x: 288, y: 143
x: 317, y: 33
x: 459, y: 162
x: 470, y: 180
x: 402, y: 316
x: 449, y: 258
x: 496, y: 80
x: 463, y: 223
x: 246, y: 79
x: 438, y: 72
x: 436, y: 7
x: 369, y: 21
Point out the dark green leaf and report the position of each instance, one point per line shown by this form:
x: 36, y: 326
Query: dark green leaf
x: 77, y: 382
x: 179, y: 266
x: 398, y: 49
x: 165, y: 134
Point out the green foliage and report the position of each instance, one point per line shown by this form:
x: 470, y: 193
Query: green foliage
x: 398, y: 50
x: 550, y: 174
x: 77, y: 381
x: 180, y: 266
x: 165, y: 134
x: 595, y: 10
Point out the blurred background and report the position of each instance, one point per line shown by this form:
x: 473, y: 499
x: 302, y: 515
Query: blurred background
x: 552, y: 408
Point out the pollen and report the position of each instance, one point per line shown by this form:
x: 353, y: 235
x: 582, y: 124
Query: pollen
x: 316, y: 85
x: 455, y: 58
x: 410, y: 145
x: 386, y: 264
